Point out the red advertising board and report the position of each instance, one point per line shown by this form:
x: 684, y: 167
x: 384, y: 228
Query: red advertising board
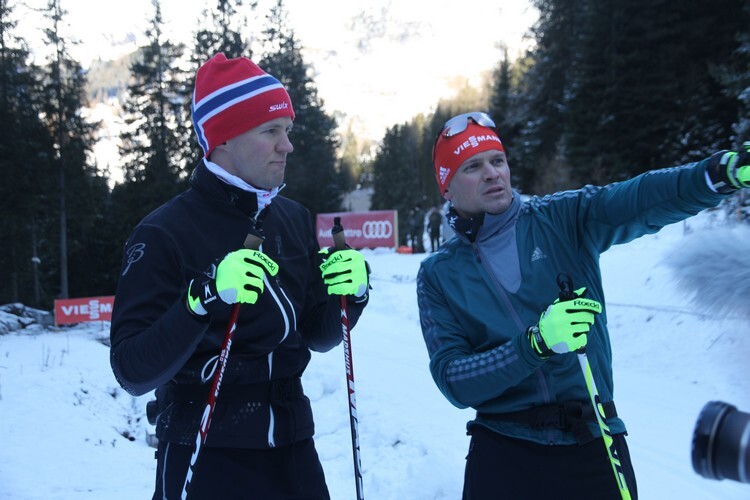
x: 83, y: 309
x: 375, y: 229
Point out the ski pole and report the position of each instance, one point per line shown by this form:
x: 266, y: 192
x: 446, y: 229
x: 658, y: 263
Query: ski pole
x: 614, y: 456
x: 339, y: 242
x: 566, y: 293
x: 252, y: 241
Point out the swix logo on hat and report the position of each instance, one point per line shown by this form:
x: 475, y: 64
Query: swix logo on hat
x: 277, y: 107
x: 451, y: 152
x: 233, y: 96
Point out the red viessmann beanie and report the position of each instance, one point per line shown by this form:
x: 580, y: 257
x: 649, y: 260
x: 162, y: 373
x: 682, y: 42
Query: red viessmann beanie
x: 451, y: 152
x: 233, y: 96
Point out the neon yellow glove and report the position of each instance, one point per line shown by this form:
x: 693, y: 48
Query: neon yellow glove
x: 238, y: 277
x: 345, y: 272
x: 564, y: 326
x: 730, y: 170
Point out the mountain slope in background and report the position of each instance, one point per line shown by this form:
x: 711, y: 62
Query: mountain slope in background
x: 108, y: 79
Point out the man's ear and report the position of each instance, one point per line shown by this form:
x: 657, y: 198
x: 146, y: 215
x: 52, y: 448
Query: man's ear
x: 447, y: 195
x: 219, y: 154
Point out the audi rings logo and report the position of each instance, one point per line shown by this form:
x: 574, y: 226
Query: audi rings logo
x: 377, y: 229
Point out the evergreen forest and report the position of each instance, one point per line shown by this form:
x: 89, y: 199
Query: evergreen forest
x: 607, y: 90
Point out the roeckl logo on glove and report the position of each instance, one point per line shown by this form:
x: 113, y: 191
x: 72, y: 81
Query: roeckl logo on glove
x: 592, y: 304
x: 337, y: 257
x: 271, y: 265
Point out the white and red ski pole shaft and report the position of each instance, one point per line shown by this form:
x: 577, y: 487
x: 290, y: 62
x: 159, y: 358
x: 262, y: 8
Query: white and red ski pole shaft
x: 339, y: 243
x: 253, y: 242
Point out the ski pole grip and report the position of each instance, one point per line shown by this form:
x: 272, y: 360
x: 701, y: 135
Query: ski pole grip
x: 565, y: 282
x: 253, y: 241
x: 337, y: 231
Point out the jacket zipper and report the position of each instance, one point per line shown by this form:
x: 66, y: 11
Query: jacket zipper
x: 277, y: 299
x: 506, y: 300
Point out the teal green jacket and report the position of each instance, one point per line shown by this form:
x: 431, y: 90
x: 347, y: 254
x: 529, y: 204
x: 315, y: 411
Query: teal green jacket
x: 476, y: 300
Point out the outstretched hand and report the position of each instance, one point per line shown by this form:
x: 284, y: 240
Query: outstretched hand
x: 730, y: 170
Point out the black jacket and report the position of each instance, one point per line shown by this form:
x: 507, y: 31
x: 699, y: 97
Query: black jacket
x: 157, y: 343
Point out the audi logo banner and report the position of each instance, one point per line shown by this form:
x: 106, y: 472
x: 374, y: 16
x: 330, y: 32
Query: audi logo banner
x: 375, y: 229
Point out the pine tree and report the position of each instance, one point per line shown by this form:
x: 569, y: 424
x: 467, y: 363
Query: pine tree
x: 735, y: 77
x: 80, y: 192
x: 617, y: 88
x: 220, y: 30
x: 155, y: 145
x: 599, y: 100
x: 539, y: 158
x: 648, y: 82
x: 504, y: 106
x: 350, y: 165
x: 311, y: 175
x: 395, y: 175
x: 26, y: 161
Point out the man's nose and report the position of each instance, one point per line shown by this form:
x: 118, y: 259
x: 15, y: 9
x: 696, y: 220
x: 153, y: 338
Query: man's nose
x: 489, y: 171
x: 285, y: 145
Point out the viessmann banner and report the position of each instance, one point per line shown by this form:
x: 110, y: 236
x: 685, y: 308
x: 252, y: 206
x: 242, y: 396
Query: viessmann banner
x: 83, y: 309
x: 378, y: 228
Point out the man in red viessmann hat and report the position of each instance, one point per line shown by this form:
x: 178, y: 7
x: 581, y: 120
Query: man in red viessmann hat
x: 183, y: 270
x: 509, y: 306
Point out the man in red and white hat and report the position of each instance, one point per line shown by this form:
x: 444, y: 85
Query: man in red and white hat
x: 509, y: 306
x: 185, y: 268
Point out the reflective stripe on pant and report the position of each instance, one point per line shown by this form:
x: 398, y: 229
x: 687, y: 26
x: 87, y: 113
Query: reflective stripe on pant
x: 500, y: 467
x: 288, y: 472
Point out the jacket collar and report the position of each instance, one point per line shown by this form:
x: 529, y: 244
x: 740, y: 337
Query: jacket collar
x: 484, y: 225
x: 206, y: 182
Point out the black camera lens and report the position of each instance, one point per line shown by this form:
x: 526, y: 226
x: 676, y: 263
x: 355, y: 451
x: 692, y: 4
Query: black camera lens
x: 721, y: 443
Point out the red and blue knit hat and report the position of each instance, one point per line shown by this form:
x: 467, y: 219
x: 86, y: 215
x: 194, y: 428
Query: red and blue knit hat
x: 233, y: 96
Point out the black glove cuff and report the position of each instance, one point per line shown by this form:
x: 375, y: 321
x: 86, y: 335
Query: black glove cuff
x: 538, y: 345
x: 204, y: 289
x: 205, y: 318
x: 717, y: 174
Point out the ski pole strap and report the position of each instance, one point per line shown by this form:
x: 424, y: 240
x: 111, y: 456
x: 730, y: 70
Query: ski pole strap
x: 570, y: 416
x: 280, y: 391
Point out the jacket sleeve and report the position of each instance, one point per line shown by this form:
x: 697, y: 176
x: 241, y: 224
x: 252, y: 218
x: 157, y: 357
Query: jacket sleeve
x: 467, y: 378
x: 152, y: 332
x: 621, y: 212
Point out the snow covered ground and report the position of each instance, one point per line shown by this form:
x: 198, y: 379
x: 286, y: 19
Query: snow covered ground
x: 69, y: 432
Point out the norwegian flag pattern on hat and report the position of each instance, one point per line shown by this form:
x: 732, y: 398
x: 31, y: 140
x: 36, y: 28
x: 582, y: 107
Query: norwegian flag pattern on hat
x: 232, y: 96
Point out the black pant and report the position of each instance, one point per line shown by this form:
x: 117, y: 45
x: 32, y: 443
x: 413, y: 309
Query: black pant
x: 435, y: 239
x: 499, y: 467
x: 288, y: 472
